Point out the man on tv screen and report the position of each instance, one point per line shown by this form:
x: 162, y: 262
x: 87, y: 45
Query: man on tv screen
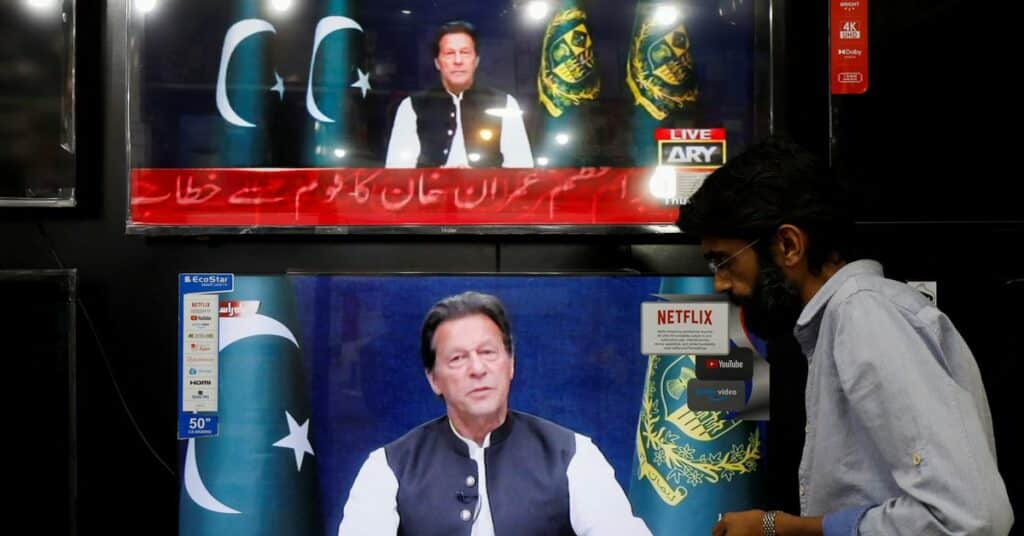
x: 483, y: 469
x: 457, y: 123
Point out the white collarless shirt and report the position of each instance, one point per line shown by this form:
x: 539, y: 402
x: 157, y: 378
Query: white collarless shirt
x: 483, y: 525
x: 404, y: 145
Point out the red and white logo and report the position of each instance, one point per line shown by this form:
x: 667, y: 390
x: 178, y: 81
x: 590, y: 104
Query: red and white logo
x: 234, y: 309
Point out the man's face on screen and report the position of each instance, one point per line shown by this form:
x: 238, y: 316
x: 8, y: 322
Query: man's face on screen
x: 473, y: 369
x: 457, y: 61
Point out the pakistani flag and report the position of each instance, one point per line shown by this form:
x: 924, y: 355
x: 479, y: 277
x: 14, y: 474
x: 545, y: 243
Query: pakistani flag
x: 336, y: 89
x: 242, y: 88
x: 660, y: 76
x: 690, y: 466
x: 567, y: 82
x: 259, y: 476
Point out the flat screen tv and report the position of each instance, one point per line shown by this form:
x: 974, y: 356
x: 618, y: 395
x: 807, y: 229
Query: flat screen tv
x: 289, y: 382
x: 350, y: 116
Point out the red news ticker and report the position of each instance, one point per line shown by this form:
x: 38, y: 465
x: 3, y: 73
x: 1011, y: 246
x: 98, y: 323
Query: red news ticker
x: 373, y: 196
x: 689, y: 134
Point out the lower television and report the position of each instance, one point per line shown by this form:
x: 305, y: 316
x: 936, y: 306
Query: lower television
x: 289, y: 382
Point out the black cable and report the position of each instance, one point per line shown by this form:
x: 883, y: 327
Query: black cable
x: 106, y: 360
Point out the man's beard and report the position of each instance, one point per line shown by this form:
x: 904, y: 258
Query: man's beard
x: 773, y: 306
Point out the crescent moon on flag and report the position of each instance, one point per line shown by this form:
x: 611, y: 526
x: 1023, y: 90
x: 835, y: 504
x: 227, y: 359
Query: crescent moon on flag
x: 237, y: 33
x: 234, y: 329
x: 325, y: 27
x: 196, y: 489
x: 231, y: 330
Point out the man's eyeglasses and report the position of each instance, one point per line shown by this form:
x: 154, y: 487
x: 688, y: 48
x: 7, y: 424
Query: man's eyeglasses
x: 723, y: 265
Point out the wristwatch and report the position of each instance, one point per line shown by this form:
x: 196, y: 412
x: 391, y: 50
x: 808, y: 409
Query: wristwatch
x: 768, y: 523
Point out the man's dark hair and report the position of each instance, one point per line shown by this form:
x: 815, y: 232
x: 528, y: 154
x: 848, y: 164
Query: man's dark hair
x: 459, y: 306
x: 772, y: 183
x: 454, y: 27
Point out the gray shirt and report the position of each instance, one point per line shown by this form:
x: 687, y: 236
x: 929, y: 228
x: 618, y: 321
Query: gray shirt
x: 899, y: 433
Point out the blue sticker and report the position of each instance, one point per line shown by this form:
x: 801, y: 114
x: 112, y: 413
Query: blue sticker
x: 197, y: 425
x: 189, y: 283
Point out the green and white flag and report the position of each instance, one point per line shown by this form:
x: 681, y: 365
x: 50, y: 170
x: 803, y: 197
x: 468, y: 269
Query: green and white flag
x: 690, y: 466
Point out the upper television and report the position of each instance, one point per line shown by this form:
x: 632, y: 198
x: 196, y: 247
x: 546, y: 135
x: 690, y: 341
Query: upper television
x: 397, y: 116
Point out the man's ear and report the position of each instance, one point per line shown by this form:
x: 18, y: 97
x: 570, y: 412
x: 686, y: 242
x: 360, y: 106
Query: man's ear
x: 476, y: 62
x: 430, y: 380
x: 791, y: 246
x: 437, y: 64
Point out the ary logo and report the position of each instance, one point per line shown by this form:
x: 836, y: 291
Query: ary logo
x: 691, y: 154
x: 677, y: 447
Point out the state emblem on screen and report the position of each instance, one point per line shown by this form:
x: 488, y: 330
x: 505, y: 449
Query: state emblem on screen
x: 679, y: 449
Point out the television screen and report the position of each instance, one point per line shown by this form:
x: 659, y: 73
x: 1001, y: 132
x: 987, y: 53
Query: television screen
x: 390, y: 114
x: 302, y: 377
x: 39, y: 348
x: 37, y: 124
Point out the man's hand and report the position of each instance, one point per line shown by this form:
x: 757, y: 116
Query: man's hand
x: 739, y: 524
x: 749, y: 524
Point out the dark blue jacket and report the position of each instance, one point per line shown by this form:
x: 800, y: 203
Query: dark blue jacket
x: 527, y: 486
x: 436, y: 126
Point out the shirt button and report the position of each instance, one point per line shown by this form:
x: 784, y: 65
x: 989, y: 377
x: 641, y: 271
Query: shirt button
x: 803, y: 491
x: 470, y: 481
x: 449, y: 132
x: 916, y: 459
x: 465, y: 515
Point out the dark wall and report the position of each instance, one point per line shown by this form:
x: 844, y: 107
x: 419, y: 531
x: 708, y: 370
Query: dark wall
x: 934, y: 139
x: 928, y: 207
x: 128, y: 283
x: 930, y: 154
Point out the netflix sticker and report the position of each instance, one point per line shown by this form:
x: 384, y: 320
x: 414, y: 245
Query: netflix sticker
x: 677, y: 328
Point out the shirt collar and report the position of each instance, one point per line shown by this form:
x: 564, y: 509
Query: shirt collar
x: 806, y: 330
x: 469, y: 442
